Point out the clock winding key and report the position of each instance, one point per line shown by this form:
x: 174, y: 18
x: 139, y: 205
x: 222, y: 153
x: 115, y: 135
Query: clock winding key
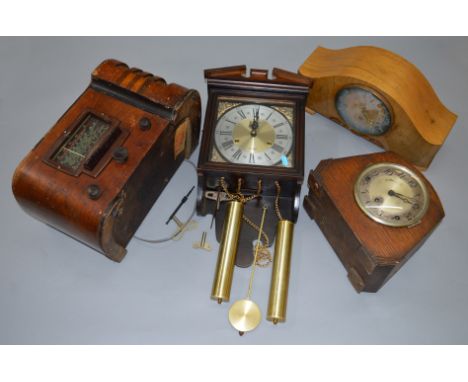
x: 202, y: 244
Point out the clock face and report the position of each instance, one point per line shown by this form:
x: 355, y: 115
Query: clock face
x: 254, y: 134
x: 363, y: 111
x: 391, y: 194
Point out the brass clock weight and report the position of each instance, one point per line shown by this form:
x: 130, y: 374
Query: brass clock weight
x: 375, y: 210
x: 251, y: 158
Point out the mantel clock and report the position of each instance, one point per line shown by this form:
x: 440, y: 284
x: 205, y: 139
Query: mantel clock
x: 381, y: 97
x: 375, y: 210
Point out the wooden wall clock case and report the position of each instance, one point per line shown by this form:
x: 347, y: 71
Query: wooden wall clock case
x: 420, y: 123
x: 256, y: 88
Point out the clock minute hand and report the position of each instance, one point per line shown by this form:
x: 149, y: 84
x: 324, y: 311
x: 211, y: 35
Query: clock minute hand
x: 405, y: 198
x: 254, y: 124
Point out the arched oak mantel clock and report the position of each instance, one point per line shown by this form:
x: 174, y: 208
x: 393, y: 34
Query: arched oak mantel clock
x: 252, y: 144
x: 375, y: 210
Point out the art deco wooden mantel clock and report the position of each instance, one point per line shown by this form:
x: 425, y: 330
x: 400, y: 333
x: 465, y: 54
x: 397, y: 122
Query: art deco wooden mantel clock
x: 100, y: 168
x: 379, y: 96
x: 375, y: 210
x: 252, y: 155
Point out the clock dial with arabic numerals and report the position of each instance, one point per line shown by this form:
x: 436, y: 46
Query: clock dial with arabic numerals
x: 391, y: 194
x: 254, y: 134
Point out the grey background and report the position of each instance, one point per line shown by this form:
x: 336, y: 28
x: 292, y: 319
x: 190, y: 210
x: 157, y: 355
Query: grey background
x: 56, y: 290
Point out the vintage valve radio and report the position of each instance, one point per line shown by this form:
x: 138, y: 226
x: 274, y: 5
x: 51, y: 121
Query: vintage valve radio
x: 100, y: 168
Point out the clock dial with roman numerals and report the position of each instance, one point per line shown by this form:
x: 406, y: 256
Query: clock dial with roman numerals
x: 254, y: 134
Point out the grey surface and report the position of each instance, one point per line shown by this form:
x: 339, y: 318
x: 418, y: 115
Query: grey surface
x: 56, y: 290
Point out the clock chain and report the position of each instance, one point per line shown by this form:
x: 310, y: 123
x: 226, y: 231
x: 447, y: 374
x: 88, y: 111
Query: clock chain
x: 277, y: 209
x: 264, y: 257
x: 238, y: 195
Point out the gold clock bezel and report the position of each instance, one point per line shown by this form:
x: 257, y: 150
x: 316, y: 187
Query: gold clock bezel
x: 376, y: 94
x: 406, y: 170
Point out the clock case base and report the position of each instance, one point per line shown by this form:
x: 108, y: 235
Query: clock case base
x: 233, y: 82
x: 371, y: 252
x: 128, y: 188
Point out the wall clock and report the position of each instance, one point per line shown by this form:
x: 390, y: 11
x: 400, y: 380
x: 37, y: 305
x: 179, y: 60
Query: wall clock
x: 251, y: 156
x: 375, y: 210
x: 379, y: 96
x: 254, y: 131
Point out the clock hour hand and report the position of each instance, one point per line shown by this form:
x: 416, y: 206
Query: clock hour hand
x: 254, y: 124
x: 405, y: 198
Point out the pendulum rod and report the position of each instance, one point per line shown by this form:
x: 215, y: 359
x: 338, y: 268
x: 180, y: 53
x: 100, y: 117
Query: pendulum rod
x: 245, y: 315
x: 257, y: 247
